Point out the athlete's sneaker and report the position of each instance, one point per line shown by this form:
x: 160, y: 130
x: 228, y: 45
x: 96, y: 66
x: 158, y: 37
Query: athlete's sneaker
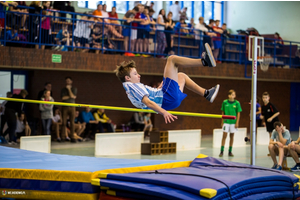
x: 296, y: 168
x: 208, y: 57
x: 221, y: 154
x: 279, y: 167
x: 213, y: 92
x: 230, y: 154
x: 274, y: 166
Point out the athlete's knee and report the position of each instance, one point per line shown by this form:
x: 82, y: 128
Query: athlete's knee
x: 171, y: 58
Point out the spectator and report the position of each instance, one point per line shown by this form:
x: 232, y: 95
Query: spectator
x: 225, y: 31
x: 191, y: 26
x: 161, y: 37
x: 210, y: 29
x: 258, y: 113
x: 79, y: 127
x: 217, y: 40
x: 2, y: 111
x: 280, y: 147
x: 82, y: 32
x: 279, y: 43
x: 60, y: 6
x: 46, y: 112
x: 97, y: 36
x: 129, y: 17
x: 147, y: 32
x: 69, y: 7
x: 68, y: 95
x: 169, y: 34
x: 63, y: 38
x: 23, y: 128
x: 175, y: 9
x: 100, y: 116
x: 142, y: 33
x: 11, y: 108
x: 12, y: 18
x: 183, y: 14
x: 57, y: 124
x: 48, y: 86
x: 91, y: 124
x: 12, y: 36
x: 136, y: 31
x: 201, y: 26
x: 225, y: 35
x: 180, y: 28
x: 34, y: 22
x: 98, y: 13
x: 137, y: 122
x: 3, y: 5
x: 23, y: 16
x: 269, y: 112
x: 45, y: 27
x: 148, y: 122
x: 294, y: 150
x: 114, y: 14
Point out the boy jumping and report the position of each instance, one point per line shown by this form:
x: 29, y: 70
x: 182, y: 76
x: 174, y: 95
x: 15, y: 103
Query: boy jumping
x: 169, y: 94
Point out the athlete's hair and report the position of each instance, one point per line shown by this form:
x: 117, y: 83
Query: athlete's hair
x: 277, y: 124
x: 124, y: 70
x: 266, y: 94
x: 230, y: 92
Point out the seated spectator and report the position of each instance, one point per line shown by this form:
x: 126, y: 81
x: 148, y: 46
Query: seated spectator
x: 294, y: 150
x: 79, y: 127
x: 12, y: 36
x: 280, y: 147
x: 148, y: 122
x: 46, y: 112
x: 63, y: 38
x: 114, y: 14
x: 24, y: 12
x: 180, y: 27
x: 97, y: 36
x: 279, y: 43
x: 56, y: 125
x: 82, y: 32
x: 100, y: 116
x: 137, y: 122
x: 98, y: 13
x: 23, y: 128
x: 91, y: 124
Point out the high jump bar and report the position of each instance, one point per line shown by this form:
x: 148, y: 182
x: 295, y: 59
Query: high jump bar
x: 118, y: 108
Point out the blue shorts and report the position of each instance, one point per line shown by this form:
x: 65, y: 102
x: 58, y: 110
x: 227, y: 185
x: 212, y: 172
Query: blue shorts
x: 125, y: 32
x: 217, y: 44
x: 172, y: 94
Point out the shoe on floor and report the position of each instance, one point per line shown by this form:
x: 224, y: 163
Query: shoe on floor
x: 58, y: 140
x: 221, y: 154
x: 73, y: 140
x: 296, y: 168
x: 274, y: 166
x: 213, y: 92
x: 279, y: 167
x: 230, y: 154
x: 208, y: 57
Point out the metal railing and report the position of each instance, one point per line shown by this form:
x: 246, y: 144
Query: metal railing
x: 48, y: 29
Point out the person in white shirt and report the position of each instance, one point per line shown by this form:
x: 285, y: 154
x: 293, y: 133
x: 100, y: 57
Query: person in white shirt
x: 175, y: 9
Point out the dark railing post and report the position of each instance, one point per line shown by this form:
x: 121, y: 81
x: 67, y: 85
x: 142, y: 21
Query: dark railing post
x: 290, y: 54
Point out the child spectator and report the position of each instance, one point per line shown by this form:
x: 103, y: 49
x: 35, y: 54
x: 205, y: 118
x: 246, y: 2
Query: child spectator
x: 12, y: 35
x: 258, y: 113
x: 269, y: 112
x: 113, y: 14
x: 141, y: 32
x: 79, y: 127
x: 23, y: 128
x: 217, y: 40
x: 279, y: 43
x: 63, y: 38
x: 183, y: 14
x: 91, y: 124
x: 169, y: 34
x: 56, y: 125
x: 170, y: 94
x: 232, y: 107
x: 46, y: 112
x: 46, y: 20
x: 137, y: 122
x: 34, y: 21
x: 129, y: 17
x: 148, y: 122
x: 180, y: 27
x: 191, y: 27
x: 100, y: 116
x: 201, y: 26
x: 161, y: 37
x: 82, y: 32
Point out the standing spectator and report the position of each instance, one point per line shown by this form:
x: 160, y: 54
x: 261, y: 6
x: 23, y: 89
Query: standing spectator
x: 60, y: 6
x: 45, y: 27
x: 137, y: 121
x: 207, y: 35
x: 169, y: 34
x: 100, y: 116
x: 82, y: 32
x: 217, y: 40
x: 279, y: 43
x: 210, y: 29
x: 91, y: 124
x: 191, y: 27
x: 161, y: 37
x: 69, y: 7
x: 269, y: 112
x: 225, y: 35
x: 258, y: 113
x: 114, y: 14
x: 147, y: 32
x: 283, y: 139
x: 11, y: 108
x: 23, y: 128
x: 34, y: 22
x: 129, y: 17
x: 142, y: 32
x: 230, y: 107
x: 96, y: 36
x: 48, y: 86
x: 180, y: 28
x: 68, y: 95
x: 183, y: 14
x: 175, y: 9
x: 136, y: 30
x: 47, y: 112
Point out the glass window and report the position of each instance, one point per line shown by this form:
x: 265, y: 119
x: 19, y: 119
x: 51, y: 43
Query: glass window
x: 207, y: 11
x: 217, y: 11
x: 5, y: 82
x: 81, y: 4
x: 93, y: 4
x: 109, y: 5
x: 131, y: 5
x: 188, y: 4
x: 158, y: 5
x: 121, y: 6
x: 197, y: 11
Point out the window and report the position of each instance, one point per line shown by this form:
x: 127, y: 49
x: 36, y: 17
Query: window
x: 109, y: 5
x: 81, y: 4
x: 131, y: 5
x: 217, y: 10
x: 207, y: 11
x: 158, y: 5
x: 93, y: 4
x: 197, y: 11
x: 121, y: 7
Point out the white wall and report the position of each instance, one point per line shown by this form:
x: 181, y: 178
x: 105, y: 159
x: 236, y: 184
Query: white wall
x: 266, y: 16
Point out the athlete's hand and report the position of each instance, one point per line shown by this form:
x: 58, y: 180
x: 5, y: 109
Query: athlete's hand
x: 169, y: 117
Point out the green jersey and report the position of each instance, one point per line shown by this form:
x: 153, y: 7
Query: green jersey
x: 231, y: 108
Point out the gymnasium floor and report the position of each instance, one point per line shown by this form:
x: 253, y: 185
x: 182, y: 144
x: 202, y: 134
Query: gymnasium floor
x: 241, y: 154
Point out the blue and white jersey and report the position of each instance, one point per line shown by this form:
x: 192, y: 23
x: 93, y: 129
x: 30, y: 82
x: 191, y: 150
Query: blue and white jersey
x: 137, y: 91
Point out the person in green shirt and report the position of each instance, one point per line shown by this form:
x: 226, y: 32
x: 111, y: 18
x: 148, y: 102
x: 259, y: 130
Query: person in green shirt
x: 232, y: 107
